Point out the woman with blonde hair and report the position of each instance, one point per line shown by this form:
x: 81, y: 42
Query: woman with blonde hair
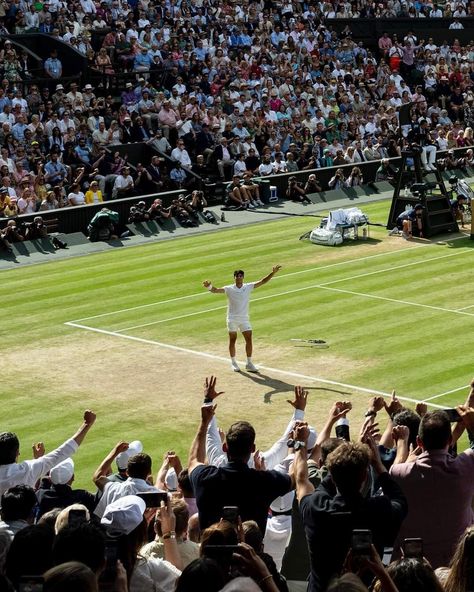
x: 94, y: 194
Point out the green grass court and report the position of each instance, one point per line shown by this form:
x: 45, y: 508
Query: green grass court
x: 132, y: 333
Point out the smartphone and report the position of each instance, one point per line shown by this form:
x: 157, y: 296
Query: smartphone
x: 231, y: 514
x: 153, y: 499
x: 220, y: 553
x: 76, y: 517
x: 31, y: 584
x: 361, y: 542
x: 413, y: 548
x: 453, y: 415
x: 111, y: 556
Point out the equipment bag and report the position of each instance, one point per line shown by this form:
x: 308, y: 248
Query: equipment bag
x: 322, y: 236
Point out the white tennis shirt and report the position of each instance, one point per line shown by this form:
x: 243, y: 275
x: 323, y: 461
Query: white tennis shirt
x: 238, y: 301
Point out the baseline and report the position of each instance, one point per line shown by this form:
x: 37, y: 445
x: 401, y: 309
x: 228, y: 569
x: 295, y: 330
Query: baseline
x: 226, y: 360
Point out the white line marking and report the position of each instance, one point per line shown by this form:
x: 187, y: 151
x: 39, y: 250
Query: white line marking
x: 226, y: 360
x: 466, y: 307
x: 281, y: 276
x: 312, y: 287
x: 438, y: 308
x: 461, y: 388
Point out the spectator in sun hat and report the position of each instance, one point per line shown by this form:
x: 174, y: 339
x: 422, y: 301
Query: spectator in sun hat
x: 138, y: 469
x: 61, y: 494
x: 124, y: 520
x: 121, y: 461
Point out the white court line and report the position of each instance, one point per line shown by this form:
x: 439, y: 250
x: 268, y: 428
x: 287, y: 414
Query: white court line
x: 226, y: 360
x: 280, y: 276
x: 312, y: 287
x: 461, y: 388
x: 438, y: 308
x: 466, y: 307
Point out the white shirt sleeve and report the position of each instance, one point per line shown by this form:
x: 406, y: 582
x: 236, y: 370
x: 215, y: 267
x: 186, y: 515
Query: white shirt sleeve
x: 29, y: 471
x: 278, y: 451
x: 215, y: 455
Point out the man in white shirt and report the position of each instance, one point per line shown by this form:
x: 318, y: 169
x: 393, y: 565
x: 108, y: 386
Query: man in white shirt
x: 181, y: 154
x: 238, y: 298
x: 29, y: 471
x: 138, y: 469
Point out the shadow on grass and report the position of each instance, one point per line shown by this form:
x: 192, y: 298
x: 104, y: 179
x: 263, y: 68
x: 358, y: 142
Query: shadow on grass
x: 280, y: 386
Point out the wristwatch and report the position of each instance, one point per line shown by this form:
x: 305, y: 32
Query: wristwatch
x: 299, y: 444
x: 370, y: 413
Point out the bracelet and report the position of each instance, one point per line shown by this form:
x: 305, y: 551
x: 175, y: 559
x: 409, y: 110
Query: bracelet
x: 370, y: 413
x: 265, y: 579
x: 209, y: 287
x: 169, y: 535
x: 207, y: 400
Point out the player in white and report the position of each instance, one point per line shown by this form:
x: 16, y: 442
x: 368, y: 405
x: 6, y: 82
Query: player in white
x: 238, y: 296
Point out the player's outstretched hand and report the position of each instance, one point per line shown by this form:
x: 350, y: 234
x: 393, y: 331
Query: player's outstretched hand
x: 276, y: 268
x: 206, y: 283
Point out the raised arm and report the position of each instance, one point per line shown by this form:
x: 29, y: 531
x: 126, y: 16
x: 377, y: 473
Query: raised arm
x: 197, y: 454
x: 277, y: 452
x: 267, y: 278
x: 302, y: 482
x: 105, y: 467
x: 208, y: 285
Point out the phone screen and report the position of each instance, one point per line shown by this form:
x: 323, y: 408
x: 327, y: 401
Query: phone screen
x: 453, y: 415
x: 111, y: 556
x: 361, y: 542
x: 413, y: 548
x: 76, y: 517
x: 231, y: 514
x: 220, y: 553
x: 153, y: 499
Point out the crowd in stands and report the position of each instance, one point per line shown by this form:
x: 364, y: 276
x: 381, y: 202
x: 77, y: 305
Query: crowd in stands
x: 218, y: 89
x: 319, y: 510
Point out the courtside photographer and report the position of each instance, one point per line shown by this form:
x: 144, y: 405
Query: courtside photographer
x: 138, y: 213
x: 296, y: 192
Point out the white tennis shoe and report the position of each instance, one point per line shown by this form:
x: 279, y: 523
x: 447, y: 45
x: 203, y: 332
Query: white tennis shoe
x: 234, y: 366
x: 250, y: 367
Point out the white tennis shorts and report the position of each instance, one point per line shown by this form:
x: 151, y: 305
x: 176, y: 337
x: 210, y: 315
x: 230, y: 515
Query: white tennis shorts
x: 234, y: 326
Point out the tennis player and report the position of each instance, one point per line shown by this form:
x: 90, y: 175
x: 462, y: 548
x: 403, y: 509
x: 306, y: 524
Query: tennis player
x: 238, y: 298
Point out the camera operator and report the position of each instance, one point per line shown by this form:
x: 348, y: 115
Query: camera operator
x: 197, y: 200
x: 11, y: 234
x: 36, y: 229
x: 138, y: 213
x: 179, y: 211
x: 295, y: 191
x: 338, y: 181
x: 312, y: 185
x: 158, y: 211
x: 355, y: 178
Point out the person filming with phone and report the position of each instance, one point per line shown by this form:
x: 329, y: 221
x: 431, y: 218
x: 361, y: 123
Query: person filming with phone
x: 337, y: 506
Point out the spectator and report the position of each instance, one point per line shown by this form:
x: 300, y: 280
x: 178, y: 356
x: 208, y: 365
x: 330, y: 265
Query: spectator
x: 435, y: 462
x: 328, y: 534
x: 250, y: 490
x: 29, y: 471
x: 61, y: 494
x: 138, y: 469
x: 17, y: 505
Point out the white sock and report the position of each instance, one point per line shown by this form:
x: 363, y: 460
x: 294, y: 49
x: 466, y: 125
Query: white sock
x: 249, y: 360
x: 233, y: 360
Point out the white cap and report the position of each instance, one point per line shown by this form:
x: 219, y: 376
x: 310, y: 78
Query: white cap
x: 124, y: 515
x: 63, y: 472
x: 133, y: 448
